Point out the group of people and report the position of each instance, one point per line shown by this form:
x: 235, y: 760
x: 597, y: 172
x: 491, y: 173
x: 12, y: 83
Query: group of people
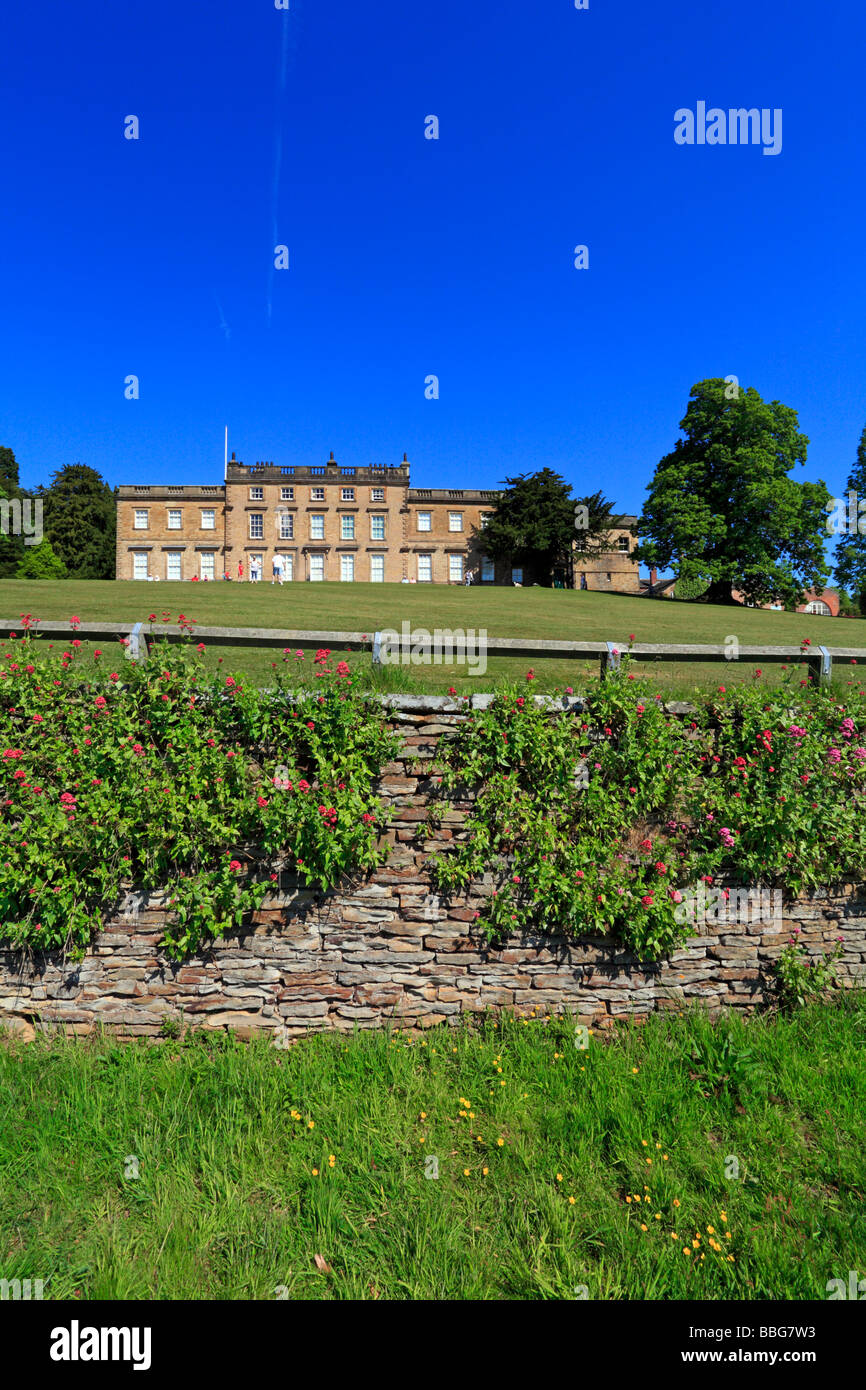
x: 278, y: 568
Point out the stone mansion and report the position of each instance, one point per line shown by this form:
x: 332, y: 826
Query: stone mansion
x: 328, y: 522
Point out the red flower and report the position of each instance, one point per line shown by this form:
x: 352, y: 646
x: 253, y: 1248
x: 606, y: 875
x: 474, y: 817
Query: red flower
x: 647, y: 901
x: 235, y: 865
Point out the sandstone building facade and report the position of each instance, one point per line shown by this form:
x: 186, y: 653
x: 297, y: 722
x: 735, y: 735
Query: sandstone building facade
x: 327, y: 522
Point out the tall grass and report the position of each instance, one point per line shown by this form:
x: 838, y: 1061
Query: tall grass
x: 236, y: 1194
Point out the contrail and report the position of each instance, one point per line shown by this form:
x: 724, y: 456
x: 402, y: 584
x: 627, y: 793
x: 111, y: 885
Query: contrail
x: 223, y: 325
x: 278, y: 154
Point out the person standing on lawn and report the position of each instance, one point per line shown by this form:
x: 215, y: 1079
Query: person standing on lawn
x: 240, y: 569
x: 278, y: 568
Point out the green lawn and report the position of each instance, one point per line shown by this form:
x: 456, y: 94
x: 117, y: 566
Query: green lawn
x: 251, y: 1162
x: 503, y: 612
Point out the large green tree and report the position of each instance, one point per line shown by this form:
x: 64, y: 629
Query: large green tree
x: 849, y: 524
x: 540, y: 526
x: 80, y: 520
x: 722, y: 507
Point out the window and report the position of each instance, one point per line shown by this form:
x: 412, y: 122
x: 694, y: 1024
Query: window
x: 516, y: 575
x: 317, y: 494
x: 140, y: 523
x: 207, y: 565
x: 287, y: 526
x: 377, y: 494
x: 455, y: 569
x: 817, y: 605
x: 425, y: 569
x: 288, y: 566
x: 347, y: 568
x: 424, y: 521
x: 317, y: 528
x: 347, y: 528
x: 623, y: 544
x: 257, y: 494
x: 377, y: 528
x: 257, y: 526
x: 347, y: 494
x: 483, y: 520
x: 174, y: 518
x: 172, y: 565
x: 208, y: 520
x: 488, y: 573
x: 377, y: 569
x: 139, y: 564
x: 317, y: 567
x: 287, y: 494
x: 455, y: 521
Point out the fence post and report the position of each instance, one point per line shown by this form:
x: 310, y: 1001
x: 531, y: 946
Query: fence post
x: 610, y: 660
x: 821, y: 665
x: 377, y: 649
x: 137, y: 648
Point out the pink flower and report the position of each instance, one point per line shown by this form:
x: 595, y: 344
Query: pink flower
x: 647, y: 900
x: 235, y: 865
x: 37, y: 719
x: 100, y: 702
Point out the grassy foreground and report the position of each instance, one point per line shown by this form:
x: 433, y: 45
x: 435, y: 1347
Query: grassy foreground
x: 310, y: 1173
x: 546, y: 614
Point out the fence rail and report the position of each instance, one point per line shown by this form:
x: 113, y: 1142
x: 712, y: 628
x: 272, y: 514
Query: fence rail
x: 819, y: 659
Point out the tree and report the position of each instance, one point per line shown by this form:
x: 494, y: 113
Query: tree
x: 722, y: 508
x: 80, y: 521
x: 850, y: 571
x: 8, y: 472
x: 12, y: 547
x: 40, y: 562
x: 538, y: 525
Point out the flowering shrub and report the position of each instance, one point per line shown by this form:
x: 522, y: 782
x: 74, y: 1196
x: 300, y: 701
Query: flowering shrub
x: 601, y: 822
x: 160, y: 776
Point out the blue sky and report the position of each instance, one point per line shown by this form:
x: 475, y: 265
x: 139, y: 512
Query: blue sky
x: 411, y: 257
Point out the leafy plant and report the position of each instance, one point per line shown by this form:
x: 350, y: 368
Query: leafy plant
x: 800, y: 978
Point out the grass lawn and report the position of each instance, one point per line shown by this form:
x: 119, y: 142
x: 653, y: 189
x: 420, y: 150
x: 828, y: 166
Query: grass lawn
x: 543, y: 613
x: 252, y: 1162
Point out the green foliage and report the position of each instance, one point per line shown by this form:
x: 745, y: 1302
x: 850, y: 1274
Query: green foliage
x: 720, y: 1064
x: 158, y: 776
x: 608, y: 822
x: 721, y: 507
x: 850, y: 571
x: 80, y: 520
x: 40, y: 562
x: 800, y: 978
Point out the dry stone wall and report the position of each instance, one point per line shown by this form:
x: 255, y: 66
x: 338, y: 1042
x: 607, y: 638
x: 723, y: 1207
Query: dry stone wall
x: 386, y: 949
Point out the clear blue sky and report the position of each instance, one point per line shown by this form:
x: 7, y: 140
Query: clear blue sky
x: 411, y: 256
